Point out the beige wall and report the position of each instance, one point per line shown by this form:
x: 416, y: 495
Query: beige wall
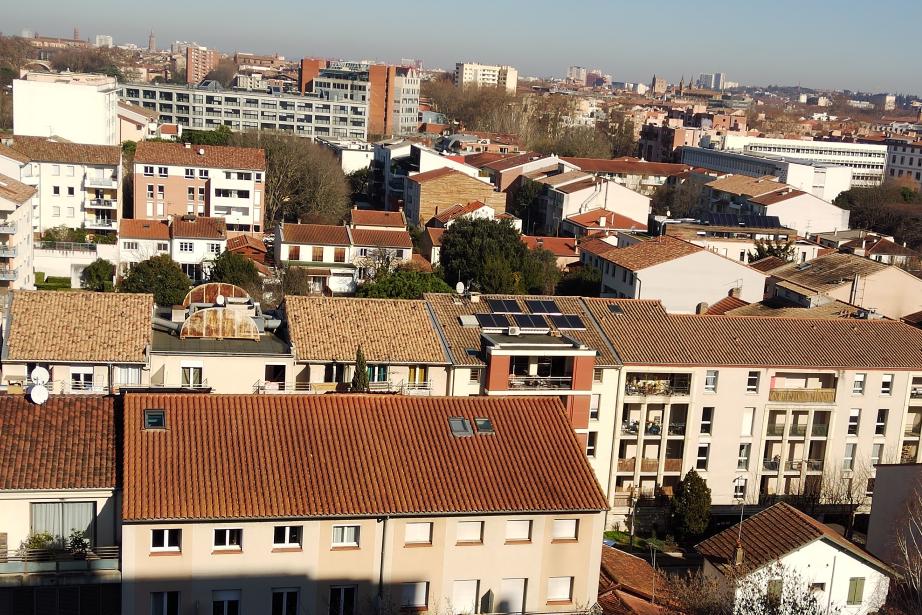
x: 255, y: 570
x: 313, y: 373
x: 896, y: 488
x: 891, y: 292
x: 224, y: 373
x: 15, y: 512
x: 60, y: 382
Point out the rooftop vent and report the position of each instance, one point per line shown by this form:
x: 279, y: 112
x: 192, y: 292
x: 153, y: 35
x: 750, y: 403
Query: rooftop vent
x: 460, y: 427
x: 201, y: 151
x: 154, y: 418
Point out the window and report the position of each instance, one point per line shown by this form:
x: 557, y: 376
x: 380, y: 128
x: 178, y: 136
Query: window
x: 228, y: 538
x: 518, y: 530
x: 61, y: 518
x: 869, y: 487
x: 285, y: 601
x: 201, y: 194
x: 746, y: 426
x: 702, y: 461
x: 707, y: 417
x: 166, y: 539
x: 214, y: 248
x: 559, y: 589
x: 225, y: 602
x: 162, y: 171
x: 886, y: 384
x: 70, y: 191
x: 154, y: 419
x: 342, y: 600
x: 848, y: 462
x: 191, y: 375
x: 317, y: 254
x: 56, y: 212
x: 880, y: 426
x: 470, y: 531
x: 203, y: 173
x: 259, y: 177
x: 710, y: 381
x: 81, y: 378
x: 148, y: 171
x: 418, y: 533
x: 127, y: 375
x: 163, y: 246
x: 130, y: 245
x: 345, y: 535
x: 286, y: 536
x: 56, y: 190
x: 150, y: 191
x: 773, y: 592
x: 70, y: 212
x: 474, y: 376
x: 854, y: 419
x: 339, y: 255
x: 855, y: 591
x: 565, y: 529
x: 752, y: 382
x: 160, y: 191
x: 742, y: 461
x: 858, y: 384
x: 739, y: 488
x: 190, y: 193
x: 877, y: 451
x: 190, y: 173
x: 592, y: 439
x: 164, y: 603
x: 414, y: 594
x: 597, y: 374
x: 185, y: 246
x: 594, y: 401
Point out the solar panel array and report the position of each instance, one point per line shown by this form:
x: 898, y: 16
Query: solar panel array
x: 726, y: 219
x: 542, y: 306
x: 567, y: 321
x: 504, y: 306
x: 530, y: 321
x: 540, y: 310
x: 493, y: 321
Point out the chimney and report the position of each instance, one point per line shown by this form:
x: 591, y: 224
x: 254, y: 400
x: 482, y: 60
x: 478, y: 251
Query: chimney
x: 188, y: 145
x: 201, y: 151
x: 736, y: 292
x: 602, y: 221
x: 738, y: 554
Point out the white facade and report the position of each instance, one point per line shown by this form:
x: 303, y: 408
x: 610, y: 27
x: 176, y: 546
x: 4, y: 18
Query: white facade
x: 806, y: 213
x: 904, y: 160
x: 79, y: 108
x: 352, y: 155
x: 486, y: 75
x: 194, y: 254
x: 16, y: 242
x: 563, y: 203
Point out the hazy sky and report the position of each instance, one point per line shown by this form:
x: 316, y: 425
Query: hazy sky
x: 851, y: 44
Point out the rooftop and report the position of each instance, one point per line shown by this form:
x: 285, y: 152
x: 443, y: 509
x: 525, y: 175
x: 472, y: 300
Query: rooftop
x: 246, y: 241
x: 381, y: 238
x: 15, y: 191
x: 315, y: 234
x: 510, y: 162
x: 211, y: 156
x: 372, y: 217
x: 627, y: 166
x: 457, y: 210
x: 129, y: 228
x: 650, y: 253
x: 827, y: 272
x: 186, y: 227
x: 54, y: 149
x: 743, y: 185
x: 560, y: 247
x: 281, y: 460
x: 603, y: 218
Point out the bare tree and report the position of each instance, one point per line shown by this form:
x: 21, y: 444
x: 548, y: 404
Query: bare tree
x: 906, y: 592
x: 847, y: 489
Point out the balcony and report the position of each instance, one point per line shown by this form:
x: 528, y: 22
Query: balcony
x: 630, y: 428
x: 100, y: 224
x: 913, y: 431
x: 7, y: 228
x: 814, y: 465
x: 820, y: 430
x: 540, y: 382
x: 37, y: 561
x: 792, y: 465
x: 8, y: 274
x: 798, y: 431
x: 102, y: 204
x: 7, y: 251
x: 676, y: 429
x: 915, y: 392
x: 803, y: 396
x: 672, y: 465
x: 650, y: 385
x: 775, y: 430
x: 101, y: 181
x: 649, y: 465
x: 771, y: 465
x: 627, y: 465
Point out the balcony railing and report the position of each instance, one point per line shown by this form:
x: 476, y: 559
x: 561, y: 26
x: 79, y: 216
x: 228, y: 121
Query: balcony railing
x: 916, y: 392
x: 676, y: 429
x: 319, y: 388
x: 798, y: 430
x: 627, y: 465
x: 792, y: 465
x: 649, y: 465
x: 656, y: 389
x: 803, y: 396
x: 7, y: 251
x: 36, y: 561
x: 820, y: 430
x: 7, y: 228
x: 540, y: 382
x: 104, y: 181
x: 814, y: 465
x: 771, y: 464
x: 775, y: 430
x: 102, y: 204
x: 672, y: 465
x: 8, y: 273
x: 630, y: 428
x: 101, y: 223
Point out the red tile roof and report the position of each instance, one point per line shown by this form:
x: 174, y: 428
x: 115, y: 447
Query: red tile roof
x: 510, y: 162
x: 627, y: 584
x: 129, y: 228
x: 457, y: 210
x: 773, y: 533
x: 421, y: 178
x: 275, y: 457
x: 15, y: 191
x: 381, y: 238
x: 435, y: 235
x: 482, y: 159
x: 53, y: 149
x: 214, y: 156
x: 596, y: 246
x: 725, y: 305
x: 767, y: 263
x: 69, y: 442
x: 612, y: 220
x: 650, y: 253
x: 558, y: 246
x: 627, y: 166
x: 374, y: 217
x: 878, y: 245
x: 199, y: 228
x: 246, y: 241
x: 315, y: 234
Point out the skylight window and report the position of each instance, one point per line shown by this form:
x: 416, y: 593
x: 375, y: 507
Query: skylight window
x: 614, y: 308
x: 484, y: 426
x: 460, y: 427
x: 154, y: 419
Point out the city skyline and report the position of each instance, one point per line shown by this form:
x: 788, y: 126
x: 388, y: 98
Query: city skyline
x: 799, y: 51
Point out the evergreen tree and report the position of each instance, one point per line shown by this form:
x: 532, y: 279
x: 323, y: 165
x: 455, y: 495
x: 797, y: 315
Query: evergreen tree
x: 360, y: 377
x: 159, y: 275
x: 98, y: 276
x: 691, y: 506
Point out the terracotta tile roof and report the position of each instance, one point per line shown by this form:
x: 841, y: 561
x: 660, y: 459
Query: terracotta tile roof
x: 421, y: 178
x: 381, y: 238
x: 41, y: 149
x: 828, y: 272
x: 15, y: 191
x: 558, y: 246
x: 199, y: 228
x: 773, y: 533
x: 644, y: 334
x: 559, y: 179
x: 8, y: 152
x: 627, y: 584
x: 743, y: 185
x: 612, y: 220
x: 767, y: 263
x: 777, y: 196
x: 725, y: 305
x: 596, y: 246
x: 779, y: 308
x: 482, y: 159
x: 510, y: 162
x: 215, y: 156
x: 457, y: 210
x: 627, y: 166
x: 435, y: 235
x: 69, y: 442
x: 169, y: 129
x: 315, y: 234
x: 878, y: 245
x: 246, y: 241
x: 267, y: 456
x: 389, y: 330
x: 79, y: 326
x: 373, y: 217
x: 650, y: 253
x: 464, y: 342
x: 129, y: 228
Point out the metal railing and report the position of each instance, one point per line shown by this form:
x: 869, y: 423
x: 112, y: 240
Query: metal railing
x: 103, y: 204
x: 65, y: 246
x: 792, y: 465
x: 771, y: 464
x: 540, y: 382
x: 915, y: 392
x: 95, y: 181
x: 803, y: 396
x: 99, y: 223
x: 814, y: 465
x: 676, y: 429
x: 912, y: 430
x: 33, y: 561
x: 657, y: 389
x: 8, y: 273
x: 318, y: 388
x: 8, y: 228
x: 775, y: 430
x: 820, y: 429
x: 7, y: 251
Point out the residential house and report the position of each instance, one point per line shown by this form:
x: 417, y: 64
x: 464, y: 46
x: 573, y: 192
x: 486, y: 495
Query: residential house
x: 373, y: 219
x: 628, y: 585
x: 483, y: 504
x: 136, y: 123
x: 430, y: 244
x: 433, y: 191
x: 253, y: 248
x: 16, y: 238
x: 417, y: 159
x: 77, y: 185
x: 325, y: 250
x: 140, y: 240
x: 505, y: 172
x: 45, y: 488
x: 195, y: 242
x: 178, y: 179
x: 475, y: 210
x: 374, y: 250
x: 680, y: 274
x: 780, y: 542
x: 882, y: 250
x: 599, y: 221
x: 633, y: 173
x: 564, y: 249
x: 88, y: 341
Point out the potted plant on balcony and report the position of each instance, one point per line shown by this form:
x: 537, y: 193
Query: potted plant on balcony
x: 77, y: 544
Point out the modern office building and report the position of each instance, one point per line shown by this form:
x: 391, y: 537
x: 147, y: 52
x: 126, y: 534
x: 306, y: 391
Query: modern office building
x: 486, y: 75
x: 904, y: 160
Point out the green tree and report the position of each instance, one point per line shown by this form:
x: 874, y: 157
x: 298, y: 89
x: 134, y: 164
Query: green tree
x: 524, y: 201
x: 498, y: 276
x: 582, y: 281
x: 234, y: 268
x: 360, y: 377
x: 475, y: 251
x: 359, y: 181
x: 219, y: 136
x: 676, y: 201
x: 539, y: 273
x: 404, y: 284
x: 296, y: 281
x: 691, y: 506
x: 769, y: 247
x: 159, y: 275
x: 98, y: 276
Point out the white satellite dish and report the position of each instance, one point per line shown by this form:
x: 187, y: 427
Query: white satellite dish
x: 459, y: 288
x: 38, y: 394
x: 39, y: 376
x: 220, y: 300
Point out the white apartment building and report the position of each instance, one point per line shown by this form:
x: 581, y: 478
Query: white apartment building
x: 16, y: 238
x: 486, y: 75
x: 823, y: 180
x: 195, y: 242
x: 866, y: 161
x: 77, y: 185
x: 353, y: 155
x: 904, y: 160
x: 73, y: 106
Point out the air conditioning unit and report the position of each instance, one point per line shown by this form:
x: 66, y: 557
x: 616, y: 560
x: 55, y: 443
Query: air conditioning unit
x: 514, y: 331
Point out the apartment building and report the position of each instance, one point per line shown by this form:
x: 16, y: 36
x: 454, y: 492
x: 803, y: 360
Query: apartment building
x: 77, y: 107
x: 823, y: 180
x: 486, y: 75
x: 408, y: 540
x: 195, y: 242
x: 352, y: 155
x: 199, y: 62
x: 896, y: 499
x: 45, y: 488
x: 866, y: 160
x: 77, y: 185
x: 904, y: 160
x: 16, y: 237
x: 411, y: 160
x: 506, y: 173
x: 664, y: 144
x: 432, y: 191
x: 637, y: 175
x: 178, y: 179
x: 313, y: 115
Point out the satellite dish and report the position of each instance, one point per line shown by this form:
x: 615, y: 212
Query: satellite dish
x: 459, y: 288
x: 220, y: 299
x: 40, y: 376
x: 38, y: 394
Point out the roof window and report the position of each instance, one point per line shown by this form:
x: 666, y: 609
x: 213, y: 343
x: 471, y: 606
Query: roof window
x: 484, y: 426
x: 154, y: 419
x: 460, y: 427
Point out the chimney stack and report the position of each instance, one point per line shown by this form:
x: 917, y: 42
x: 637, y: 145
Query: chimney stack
x: 738, y: 554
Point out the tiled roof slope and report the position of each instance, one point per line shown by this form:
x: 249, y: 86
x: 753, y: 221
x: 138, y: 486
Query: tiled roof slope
x: 66, y: 443
x: 389, y: 330
x: 129, y: 228
x: 315, y: 234
x: 381, y: 238
x: 825, y: 273
x: 767, y: 263
x: 773, y: 533
x: 643, y: 333
x: 650, y: 253
x: 79, y: 326
x: 199, y: 228
x: 725, y: 305
x: 457, y: 210
x: 215, y: 156
x: 590, y: 220
x: 374, y: 217
x: 464, y: 342
x: 298, y: 456
x: 14, y: 190
x: 41, y: 149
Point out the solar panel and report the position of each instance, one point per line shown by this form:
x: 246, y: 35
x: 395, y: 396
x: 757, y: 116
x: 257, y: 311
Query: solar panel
x: 492, y: 321
x: 504, y: 306
x: 567, y: 321
x: 714, y: 218
x: 542, y: 306
x: 530, y: 321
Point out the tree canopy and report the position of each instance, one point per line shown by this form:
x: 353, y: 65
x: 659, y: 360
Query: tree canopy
x: 234, y: 268
x: 403, y: 284
x: 98, y: 276
x: 691, y: 506
x: 583, y: 281
x: 159, y: 275
x: 768, y: 247
x: 891, y: 208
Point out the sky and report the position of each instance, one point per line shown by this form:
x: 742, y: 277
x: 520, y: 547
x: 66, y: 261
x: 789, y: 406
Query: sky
x: 836, y: 44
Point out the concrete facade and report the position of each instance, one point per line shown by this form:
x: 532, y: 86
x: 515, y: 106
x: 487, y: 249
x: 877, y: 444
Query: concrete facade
x: 77, y: 107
